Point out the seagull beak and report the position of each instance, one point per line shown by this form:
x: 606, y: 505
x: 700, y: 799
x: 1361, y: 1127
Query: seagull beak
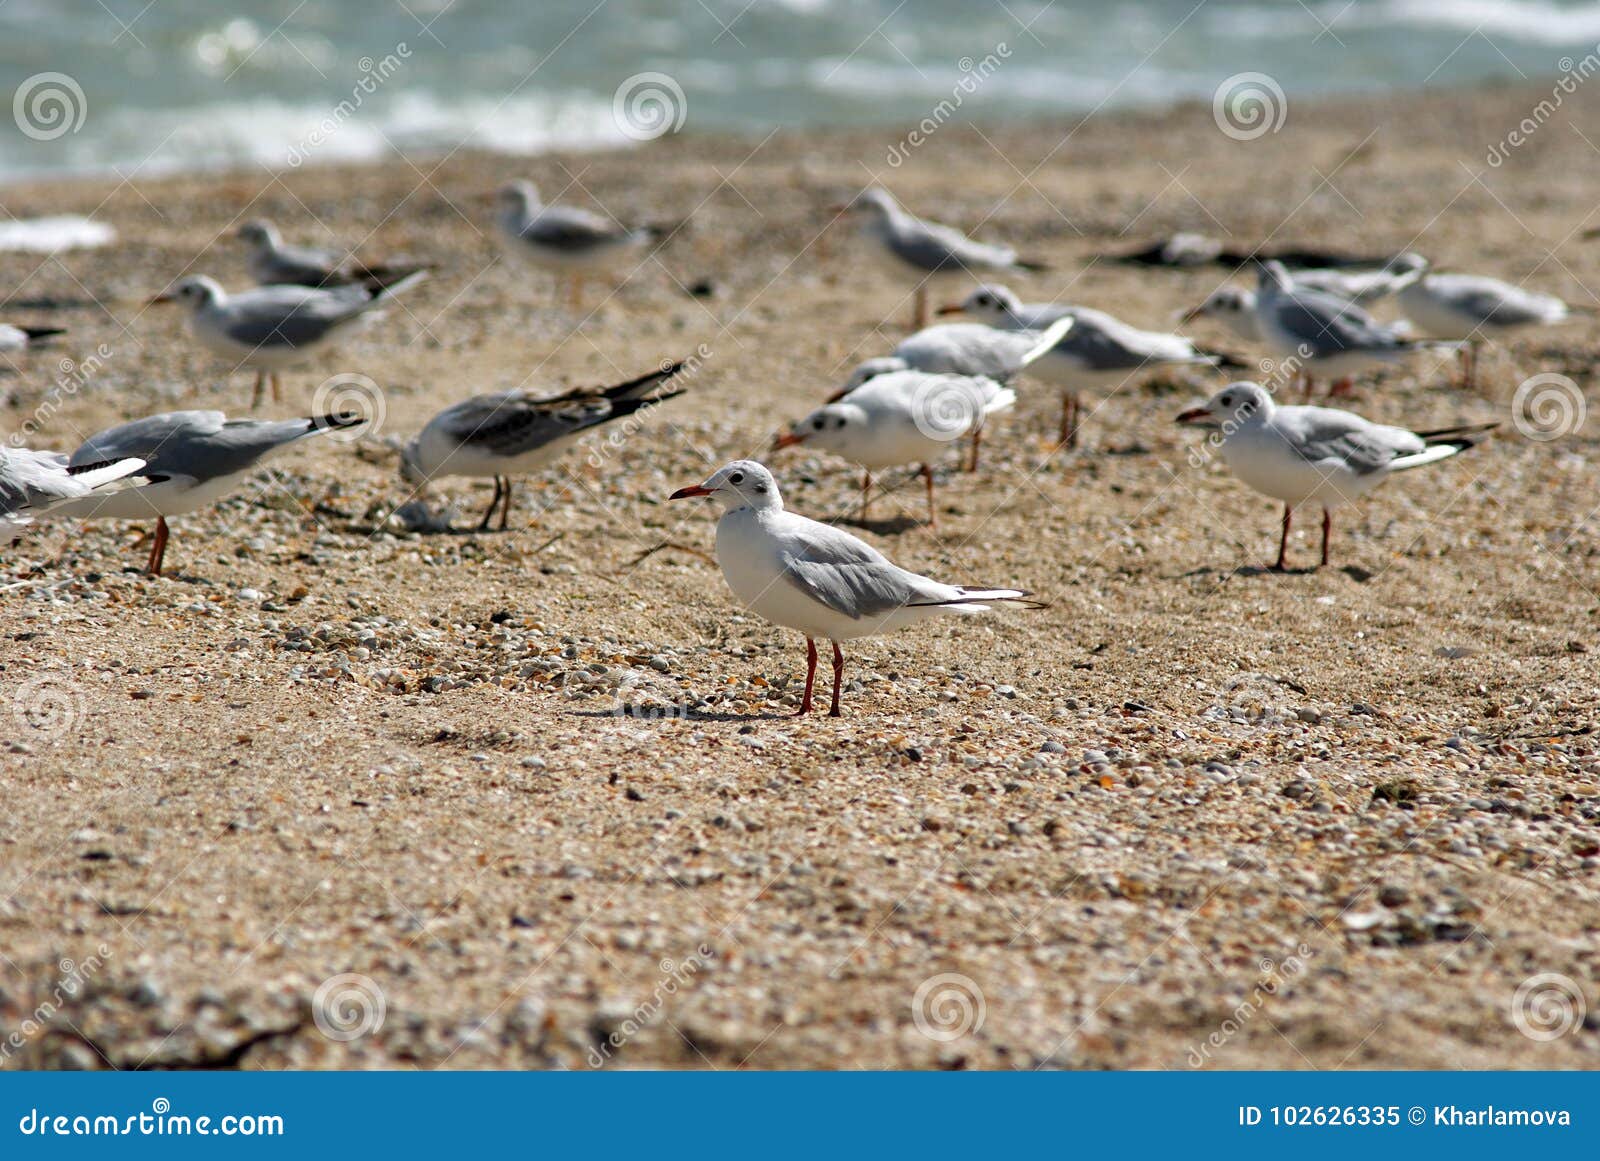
x: 951, y: 308
x: 787, y: 439
x: 1191, y: 314
x: 1195, y: 415
x: 691, y: 492
x: 839, y: 208
x: 164, y: 297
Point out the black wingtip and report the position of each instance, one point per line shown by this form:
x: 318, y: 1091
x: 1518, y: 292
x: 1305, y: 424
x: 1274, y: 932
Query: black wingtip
x: 335, y: 422
x: 647, y: 382
x: 1227, y: 362
x: 42, y: 332
x: 1464, y: 436
x: 80, y: 469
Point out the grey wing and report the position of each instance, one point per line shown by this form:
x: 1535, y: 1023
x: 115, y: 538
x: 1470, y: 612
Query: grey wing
x: 571, y: 229
x: 152, y: 439
x: 1503, y: 305
x: 1329, y: 323
x: 290, y: 320
x: 304, y: 264
x: 935, y: 248
x: 1325, y: 433
x: 512, y: 422
x: 849, y: 577
x: 1099, y: 349
x: 968, y: 349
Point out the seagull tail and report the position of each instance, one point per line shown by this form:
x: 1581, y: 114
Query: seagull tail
x: 1442, y: 445
x: 645, y: 384
x: 339, y: 422
x: 94, y: 475
x: 386, y: 291
x: 1048, y: 338
x: 974, y: 598
x: 381, y: 278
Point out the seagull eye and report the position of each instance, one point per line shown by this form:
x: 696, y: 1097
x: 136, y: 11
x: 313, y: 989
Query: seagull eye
x: 816, y: 424
x: 736, y: 478
x: 839, y: 422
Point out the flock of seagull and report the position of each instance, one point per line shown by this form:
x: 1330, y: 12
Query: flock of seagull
x: 938, y: 387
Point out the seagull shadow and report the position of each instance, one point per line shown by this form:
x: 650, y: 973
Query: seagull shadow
x: 891, y: 527
x: 688, y: 715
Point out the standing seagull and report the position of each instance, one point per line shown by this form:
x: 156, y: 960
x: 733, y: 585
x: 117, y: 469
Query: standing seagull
x: 276, y: 326
x: 1299, y: 454
x: 1100, y: 351
x: 800, y: 574
x: 904, y: 417
x: 192, y: 459
x: 274, y: 262
x: 1472, y: 307
x: 567, y: 239
x: 513, y: 433
x: 927, y: 248
x: 1323, y: 331
x: 35, y: 483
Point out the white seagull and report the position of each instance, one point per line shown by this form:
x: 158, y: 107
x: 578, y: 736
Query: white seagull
x: 274, y: 262
x: 1100, y: 351
x: 566, y: 239
x: 192, y: 459
x: 927, y: 249
x: 818, y: 579
x: 36, y: 483
x: 1300, y: 454
x: 513, y: 433
x: 962, y: 349
x: 904, y: 417
x: 272, y: 327
x: 1472, y: 307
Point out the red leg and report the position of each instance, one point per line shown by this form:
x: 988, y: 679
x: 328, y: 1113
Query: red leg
x: 505, y: 509
x: 1069, y: 420
x: 838, y: 674
x: 919, y: 308
x: 1327, y: 531
x: 277, y: 387
x: 1342, y: 388
x: 866, y: 493
x: 977, y: 439
x: 927, y: 478
x: 1283, y: 542
x: 811, y: 676
x: 260, y: 390
x: 158, y: 551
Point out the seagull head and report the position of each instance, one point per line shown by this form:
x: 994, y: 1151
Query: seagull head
x: 411, y: 465
x: 194, y: 292
x: 1272, y: 276
x: 830, y: 428
x: 987, y: 302
x: 1235, y: 406
x: 741, y: 484
x: 517, y: 197
x: 1224, y: 302
x: 261, y: 234
x: 871, y: 369
x: 872, y: 200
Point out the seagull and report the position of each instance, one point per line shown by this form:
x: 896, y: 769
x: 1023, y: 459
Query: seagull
x: 1300, y: 454
x: 274, y: 262
x: 962, y: 349
x: 192, y: 459
x: 904, y: 417
x: 1322, y: 331
x: 1235, y: 307
x: 276, y: 326
x: 801, y: 574
x: 35, y: 483
x: 15, y: 338
x: 1471, y: 307
x: 513, y: 433
x: 927, y: 248
x: 1099, y: 350
x: 562, y: 238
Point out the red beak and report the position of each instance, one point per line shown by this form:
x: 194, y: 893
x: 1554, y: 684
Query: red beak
x: 1191, y: 314
x: 1194, y: 414
x: 951, y: 308
x: 787, y: 439
x: 690, y: 492
x: 158, y: 299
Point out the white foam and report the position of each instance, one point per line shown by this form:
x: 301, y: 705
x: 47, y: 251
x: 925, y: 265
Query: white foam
x: 59, y: 232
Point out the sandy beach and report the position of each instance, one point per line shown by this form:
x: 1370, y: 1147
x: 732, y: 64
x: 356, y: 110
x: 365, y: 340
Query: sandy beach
x: 336, y: 795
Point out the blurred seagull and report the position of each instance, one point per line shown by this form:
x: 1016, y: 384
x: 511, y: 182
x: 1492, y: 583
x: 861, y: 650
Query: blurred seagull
x: 272, y: 327
x: 513, y: 433
x: 818, y: 579
x: 903, y: 417
x: 567, y: 239
x: 1099, y: 351
x: 927, y: 248
x: 962, y: 349
x: 1300, y: 454
x: 273, y: 262
x: 1472, y: 307
x: 36, y: 483
x: 192, y: 459
x: 15, y: 338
